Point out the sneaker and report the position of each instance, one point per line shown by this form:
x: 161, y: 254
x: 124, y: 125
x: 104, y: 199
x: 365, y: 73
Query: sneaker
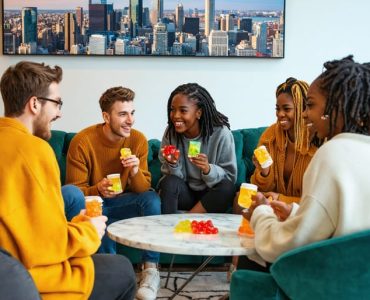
x: 149, y: 284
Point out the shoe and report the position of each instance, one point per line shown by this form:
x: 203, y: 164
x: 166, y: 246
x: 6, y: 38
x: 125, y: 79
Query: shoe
x: 232, y: 269
x: 149, y: 284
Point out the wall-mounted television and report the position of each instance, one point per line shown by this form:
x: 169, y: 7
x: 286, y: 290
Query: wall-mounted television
x: 194, y: 28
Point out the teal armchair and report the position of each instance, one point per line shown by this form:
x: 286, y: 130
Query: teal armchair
x: 337, y: 268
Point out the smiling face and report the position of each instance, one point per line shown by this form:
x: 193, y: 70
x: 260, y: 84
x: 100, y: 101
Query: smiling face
x: 48, y: 113
x: 185, y: 116
x: 120, y: 119
x: 285, y: 113
x: 314, y: 113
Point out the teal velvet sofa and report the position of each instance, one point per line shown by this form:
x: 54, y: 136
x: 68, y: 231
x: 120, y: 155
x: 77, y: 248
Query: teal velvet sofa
x: 245, y: 142
x: 333, y: 269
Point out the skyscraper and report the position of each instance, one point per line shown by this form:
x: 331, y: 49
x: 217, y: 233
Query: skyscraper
x: 97, y: 18
x: 179, y: 17
x: 136, y: 16
x: 209, y: 16
x: 29, y: 25
x: 191, y: 25
x: 97, y: 44
x: 262, y: 39
x: 218, y: 43
x: 69, y: 31
x: 160, y: 42
x: 79, y: 18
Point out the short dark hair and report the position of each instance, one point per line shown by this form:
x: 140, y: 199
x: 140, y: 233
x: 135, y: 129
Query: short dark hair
x: 24, y: 80
x: 346, y: 85
x: 114, y: 94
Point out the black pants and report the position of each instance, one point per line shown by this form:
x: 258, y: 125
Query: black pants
x: 114, y: 278
x: 177, y: 195
x: 245, y: 263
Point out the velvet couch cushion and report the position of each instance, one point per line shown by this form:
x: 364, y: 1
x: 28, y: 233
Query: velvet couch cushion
x: 246, y: 141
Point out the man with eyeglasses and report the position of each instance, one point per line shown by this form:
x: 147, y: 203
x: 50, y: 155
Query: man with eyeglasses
x: 58, y: 254
x: 94, y: 153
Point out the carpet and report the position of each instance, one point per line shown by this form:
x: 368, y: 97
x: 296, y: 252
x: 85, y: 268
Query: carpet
x: 205, y: 285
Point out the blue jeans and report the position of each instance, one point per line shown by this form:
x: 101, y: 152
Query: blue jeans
x: 74, y: 200
x: 129, y: 205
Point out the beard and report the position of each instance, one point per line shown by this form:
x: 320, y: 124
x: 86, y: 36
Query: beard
x: 41, y: 127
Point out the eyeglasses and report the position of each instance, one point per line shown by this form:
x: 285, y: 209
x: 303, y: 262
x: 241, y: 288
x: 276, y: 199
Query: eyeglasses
x: 59, y: 102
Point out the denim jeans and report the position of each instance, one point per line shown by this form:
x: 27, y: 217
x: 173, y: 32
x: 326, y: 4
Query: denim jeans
x: 129, y: 205
x: 74, y: 200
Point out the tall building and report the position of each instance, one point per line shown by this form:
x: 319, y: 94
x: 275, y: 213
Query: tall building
x: 245, y: 24
x: 191, y: 25
x: 278, y: 47
x: 79, y: 18
x: 157, y: 10
x: 209, y: 16
x: 218, y: 43
x: 97, y: 44
x: 136, y: 16
x: 69, y: 31
x: 146, y: 17
x: 262, y: 39
x: 179, y: 17
x: 29, y: 25
x: 97, y: 18
x: 160, y: 39
x: 229, y: 22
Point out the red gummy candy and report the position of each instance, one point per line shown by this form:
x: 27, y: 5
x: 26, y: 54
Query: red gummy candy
x: 171, y: 150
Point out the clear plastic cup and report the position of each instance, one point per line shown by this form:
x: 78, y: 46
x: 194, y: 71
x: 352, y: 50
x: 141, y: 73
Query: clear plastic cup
x: 116, y: 183
x: 93, y: 206
x: 245, y: 194
x: 263, y: 157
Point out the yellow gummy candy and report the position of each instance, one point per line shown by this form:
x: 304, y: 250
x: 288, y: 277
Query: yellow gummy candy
x: 125, y: 152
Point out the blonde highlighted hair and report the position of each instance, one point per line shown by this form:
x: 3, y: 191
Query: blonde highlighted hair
x: 297, y: 89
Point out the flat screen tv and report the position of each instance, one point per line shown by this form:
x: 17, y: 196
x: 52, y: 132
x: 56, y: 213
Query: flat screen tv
x: 194, y: 28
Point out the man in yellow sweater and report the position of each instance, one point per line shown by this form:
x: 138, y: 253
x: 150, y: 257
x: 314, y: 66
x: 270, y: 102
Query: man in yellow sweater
x: 94, y: 153
x: 58, y: 254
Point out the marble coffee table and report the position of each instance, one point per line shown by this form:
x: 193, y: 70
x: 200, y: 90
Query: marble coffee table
x: 156, y: 233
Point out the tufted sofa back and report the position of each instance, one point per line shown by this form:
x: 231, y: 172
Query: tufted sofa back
x: 246, y: 141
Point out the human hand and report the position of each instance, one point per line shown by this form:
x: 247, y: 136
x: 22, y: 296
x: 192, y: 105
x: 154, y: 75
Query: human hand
x: 201, y: 161
x: 105, y: 188
x: 272, y: 196
x: 99, y: 224
x: 257, y: 200
x: 281, y: 209
x: 131, y: 162
x: 264, y: 171
x: 170, y: 154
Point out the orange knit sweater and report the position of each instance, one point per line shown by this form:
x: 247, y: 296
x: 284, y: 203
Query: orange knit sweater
x: 33, y: 227
x: 91, y: 157
x: 275, y: 141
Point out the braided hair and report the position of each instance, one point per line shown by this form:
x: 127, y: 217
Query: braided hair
x: 297, y: 89
x: 346, y: 85
x: 210, y: 117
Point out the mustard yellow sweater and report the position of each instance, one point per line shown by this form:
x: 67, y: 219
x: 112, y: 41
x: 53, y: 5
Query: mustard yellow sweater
x: 33, y: 227
x: 275, y: 141
x: 91, y: 157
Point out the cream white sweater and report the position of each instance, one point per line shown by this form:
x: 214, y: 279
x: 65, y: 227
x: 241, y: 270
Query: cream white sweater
x: 335, y: 199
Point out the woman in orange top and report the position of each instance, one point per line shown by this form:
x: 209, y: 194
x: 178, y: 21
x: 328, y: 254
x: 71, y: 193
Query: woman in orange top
x: 288, y: 143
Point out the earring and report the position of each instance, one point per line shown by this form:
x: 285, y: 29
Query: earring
x: 324, y: 117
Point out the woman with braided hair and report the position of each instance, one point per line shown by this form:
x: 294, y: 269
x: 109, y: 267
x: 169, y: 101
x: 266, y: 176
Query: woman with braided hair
x: 204, y: 182
x: 289, y: 145
x: 336, y: 187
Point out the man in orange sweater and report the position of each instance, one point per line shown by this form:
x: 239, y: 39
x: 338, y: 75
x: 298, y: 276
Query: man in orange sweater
x: 94, y: 153
x: 58, y: 254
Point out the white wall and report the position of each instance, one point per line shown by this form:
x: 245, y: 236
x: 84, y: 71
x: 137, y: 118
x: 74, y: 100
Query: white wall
x: 316, y: 31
